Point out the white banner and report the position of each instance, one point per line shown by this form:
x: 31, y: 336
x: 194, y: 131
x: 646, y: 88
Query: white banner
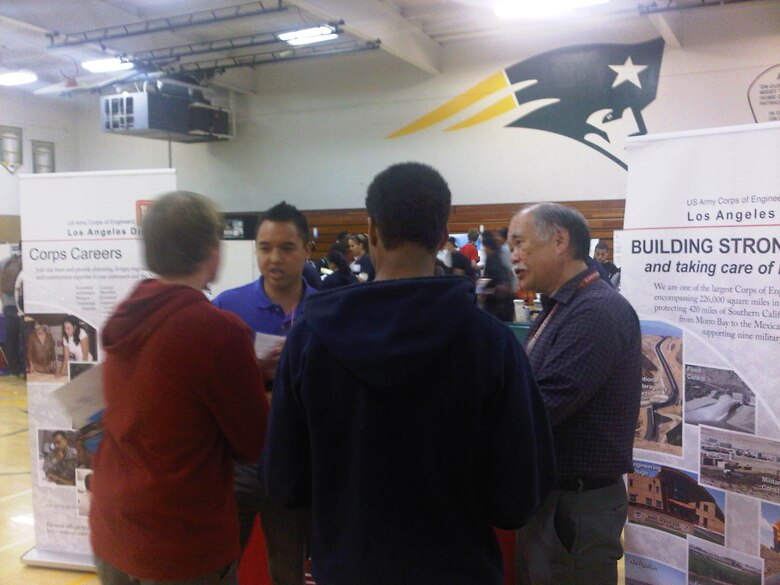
x: 700, y: 260
x: 82, y: 255
x: 720, y: 177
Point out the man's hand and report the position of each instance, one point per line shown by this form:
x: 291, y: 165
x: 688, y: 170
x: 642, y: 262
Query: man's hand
x: 268, y: 363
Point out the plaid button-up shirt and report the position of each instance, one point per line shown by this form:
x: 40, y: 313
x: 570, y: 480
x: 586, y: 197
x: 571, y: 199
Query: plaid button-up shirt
x: 587, y: 363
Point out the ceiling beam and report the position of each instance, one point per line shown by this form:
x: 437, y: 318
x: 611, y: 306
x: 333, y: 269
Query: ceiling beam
x: 163, y: 24
x: 664, y: 28
x: 373, y: 19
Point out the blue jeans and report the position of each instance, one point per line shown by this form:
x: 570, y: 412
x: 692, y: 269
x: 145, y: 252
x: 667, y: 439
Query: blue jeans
x: 110, y: 575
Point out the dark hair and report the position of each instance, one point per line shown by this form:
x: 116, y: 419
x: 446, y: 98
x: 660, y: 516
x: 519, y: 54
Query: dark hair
x: 409, y: 202
x: 61, y: 434
x: 503, y: 232
x: 180, y: 230
x: 602, y: 246
x: 285, y: 213
x: 489, y: 241
x: 548, y: 217
x: 76, y: 327
x: 453, y: 241
x: 473, y: 235
x: 341, y: 236
x: 336, y: 256
x: 342, y: 246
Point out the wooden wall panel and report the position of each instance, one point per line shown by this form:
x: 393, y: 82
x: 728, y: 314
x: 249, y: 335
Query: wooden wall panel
x: 604, y: 217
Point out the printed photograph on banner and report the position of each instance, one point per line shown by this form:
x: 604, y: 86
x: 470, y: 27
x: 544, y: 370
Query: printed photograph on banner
x: 660, y: 422
x: 57, y: 457
x: 712, y: 564
x: 41, y: 347
x: 53, y: 342
x: 672, y: 500
x: 644, y: 571
x: 658, y: 545
x: 740, y: 463
x: 83, y: 491
x: 76, y: 368
x: 87, y: 441
x: 718, y: 398
x: 769, y: 537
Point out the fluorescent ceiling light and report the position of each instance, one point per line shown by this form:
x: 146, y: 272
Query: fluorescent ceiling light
x: 17, y: 78
x: 539, y: 8
x: 306, y: 36
x: 309, y: 40
x: 106, y: 65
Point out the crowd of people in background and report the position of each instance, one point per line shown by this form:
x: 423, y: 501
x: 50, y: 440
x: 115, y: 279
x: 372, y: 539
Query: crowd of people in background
x: 485, y: 255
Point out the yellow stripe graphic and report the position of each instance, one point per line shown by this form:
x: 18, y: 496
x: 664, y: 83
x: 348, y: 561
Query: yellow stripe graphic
x: 471, y: 96
x: 502, y: 106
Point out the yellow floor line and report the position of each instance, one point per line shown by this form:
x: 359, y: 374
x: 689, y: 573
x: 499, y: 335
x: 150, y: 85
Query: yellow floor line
x: 16, y: 495
x: 17, y: 543
x: 82, y: 579
x: 22, y: 403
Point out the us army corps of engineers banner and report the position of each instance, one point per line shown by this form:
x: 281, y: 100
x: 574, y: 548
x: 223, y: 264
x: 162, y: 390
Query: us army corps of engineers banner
x: 81, y: 256
x: 700, y: 255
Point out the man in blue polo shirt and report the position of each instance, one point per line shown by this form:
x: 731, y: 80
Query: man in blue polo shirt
x: 271, y: 305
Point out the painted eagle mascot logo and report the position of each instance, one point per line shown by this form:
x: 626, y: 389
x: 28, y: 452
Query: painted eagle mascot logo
x: 594, y: 94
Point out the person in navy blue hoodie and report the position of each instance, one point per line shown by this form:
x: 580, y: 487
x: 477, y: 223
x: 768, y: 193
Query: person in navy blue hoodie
x: 404, y: 415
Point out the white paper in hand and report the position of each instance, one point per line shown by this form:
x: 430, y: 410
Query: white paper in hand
x: 266, y: 343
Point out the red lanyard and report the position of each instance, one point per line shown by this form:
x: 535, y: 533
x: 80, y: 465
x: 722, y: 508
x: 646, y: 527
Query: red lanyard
x: 589, y: 279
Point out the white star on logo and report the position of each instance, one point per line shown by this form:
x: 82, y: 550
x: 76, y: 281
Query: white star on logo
x: 627, y: 72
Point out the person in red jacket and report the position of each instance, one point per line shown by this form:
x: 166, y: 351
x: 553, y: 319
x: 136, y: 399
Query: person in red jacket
x: 184, y: 399
x: 469, y: 250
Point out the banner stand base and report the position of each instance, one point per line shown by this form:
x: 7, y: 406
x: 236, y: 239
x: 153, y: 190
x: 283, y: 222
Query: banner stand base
x: 59, y: 560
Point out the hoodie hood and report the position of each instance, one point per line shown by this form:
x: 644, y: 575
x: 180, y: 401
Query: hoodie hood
x: 383, y: 332
x: 142, y: 313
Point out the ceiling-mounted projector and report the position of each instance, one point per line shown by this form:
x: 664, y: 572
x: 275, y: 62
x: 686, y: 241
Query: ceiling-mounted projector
x: 165, y: 111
